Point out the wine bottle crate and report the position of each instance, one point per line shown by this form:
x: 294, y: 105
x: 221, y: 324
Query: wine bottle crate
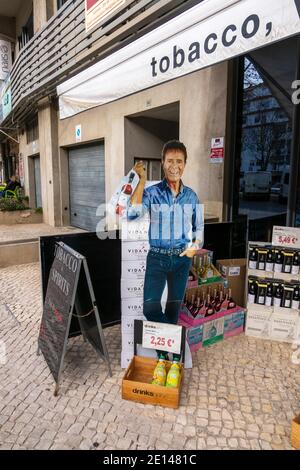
x: 136, y: 384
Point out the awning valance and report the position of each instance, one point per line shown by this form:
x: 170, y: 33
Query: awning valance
x: 209, y: 33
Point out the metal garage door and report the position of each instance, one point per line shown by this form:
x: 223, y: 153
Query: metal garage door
x: 87, y: 185
x: 37, y: 181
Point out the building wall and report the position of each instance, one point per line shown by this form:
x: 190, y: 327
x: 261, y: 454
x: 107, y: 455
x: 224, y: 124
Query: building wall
x: 21, y: 19
x: 28, y: 151
x: 7, y: 27
x: 144, y: 137
x: 39, y: 14
x: 202, y: 96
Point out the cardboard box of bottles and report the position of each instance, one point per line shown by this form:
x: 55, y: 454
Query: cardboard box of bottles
x: 127, y: 324
x: 267, y: 261
x: 186, y: 316
x: 198, y: 292
x: 136, y: 230
x: 235, y: 272
x: 214, y: 330
x: 135, y: 250
x: 199, y: 261
x: 133, y: 269
x: 274, y: 323
x: 132, y: 307
x: 134, y: 289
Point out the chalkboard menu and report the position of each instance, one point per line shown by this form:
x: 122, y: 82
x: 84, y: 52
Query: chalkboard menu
x: 68, y: 271
x: 58, y: 307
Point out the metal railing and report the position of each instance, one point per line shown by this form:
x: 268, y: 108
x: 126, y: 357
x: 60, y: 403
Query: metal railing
x: 63, y: 48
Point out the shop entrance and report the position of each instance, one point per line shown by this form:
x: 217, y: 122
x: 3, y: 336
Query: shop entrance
x: 264, y: 138
x: 87, y: 184
x: 145, y: 135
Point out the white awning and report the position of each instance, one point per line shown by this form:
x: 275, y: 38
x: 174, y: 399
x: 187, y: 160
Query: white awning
x: 208, y: 33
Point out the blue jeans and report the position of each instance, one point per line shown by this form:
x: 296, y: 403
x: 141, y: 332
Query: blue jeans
x: 162, y: 269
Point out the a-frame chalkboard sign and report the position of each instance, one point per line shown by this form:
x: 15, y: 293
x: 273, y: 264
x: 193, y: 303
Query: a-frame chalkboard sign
x: 69, y: 268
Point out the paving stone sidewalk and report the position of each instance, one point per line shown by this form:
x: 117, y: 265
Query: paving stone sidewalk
x: 241, y: 393
x: 10, y: 233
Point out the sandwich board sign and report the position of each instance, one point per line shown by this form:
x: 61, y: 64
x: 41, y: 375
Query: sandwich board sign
x: 68, y: 271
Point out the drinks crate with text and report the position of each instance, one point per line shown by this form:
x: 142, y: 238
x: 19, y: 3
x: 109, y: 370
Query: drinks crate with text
x: 137, y: 386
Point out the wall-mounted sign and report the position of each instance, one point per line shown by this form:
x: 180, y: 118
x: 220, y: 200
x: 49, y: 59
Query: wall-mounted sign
x: 5, y: 59
x: 217, y: 150
x: 98, y: 10
x: 78, y: 133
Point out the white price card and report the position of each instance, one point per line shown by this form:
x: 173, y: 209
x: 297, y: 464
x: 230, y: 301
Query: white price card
x: 234, y: 271
x: 286, y: 237
x: 162, y: 336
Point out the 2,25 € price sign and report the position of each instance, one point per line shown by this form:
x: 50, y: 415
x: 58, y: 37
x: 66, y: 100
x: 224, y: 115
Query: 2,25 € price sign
x: 162, y: 336
x: 286, y: 237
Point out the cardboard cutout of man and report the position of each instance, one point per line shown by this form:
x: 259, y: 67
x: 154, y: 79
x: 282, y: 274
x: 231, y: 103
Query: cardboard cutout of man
x: 175, y: 234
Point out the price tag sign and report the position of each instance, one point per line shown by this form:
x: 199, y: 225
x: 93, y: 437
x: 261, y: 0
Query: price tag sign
x: 162, y: 336
x: 286, y: 237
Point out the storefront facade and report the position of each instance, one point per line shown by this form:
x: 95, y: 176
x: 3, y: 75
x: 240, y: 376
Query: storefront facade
x: 164, y: 85
x: 189, y: 70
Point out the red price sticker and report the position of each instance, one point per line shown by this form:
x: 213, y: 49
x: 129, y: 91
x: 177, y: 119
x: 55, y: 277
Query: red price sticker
x: 162, y: 336
x: 286, y: 237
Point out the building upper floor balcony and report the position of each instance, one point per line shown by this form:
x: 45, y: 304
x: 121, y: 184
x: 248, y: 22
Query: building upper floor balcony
x: 62, y: 46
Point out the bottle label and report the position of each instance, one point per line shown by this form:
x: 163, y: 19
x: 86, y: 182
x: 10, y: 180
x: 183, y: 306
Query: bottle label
x: 277, y: 302
x: 261, y: 266
x: 287, y: 269
x: 269, y: 266
x: 268, y: 301
x: 296, y: 304
x: 287, y: 303
x: 295, y: 269
x: 261, y: 300
x: 278, y: 268
x: 252, y: 264
x: 251, y: 298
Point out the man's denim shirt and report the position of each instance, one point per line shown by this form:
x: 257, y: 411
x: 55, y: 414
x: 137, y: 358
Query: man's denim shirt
x: 175, y: 221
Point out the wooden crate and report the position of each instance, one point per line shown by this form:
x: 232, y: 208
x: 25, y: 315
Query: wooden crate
x: 295, y: 433
x: 136, y: 384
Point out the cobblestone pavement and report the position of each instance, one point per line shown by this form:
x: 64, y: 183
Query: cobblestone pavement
x: 241, y: 394
x: 26, y: 231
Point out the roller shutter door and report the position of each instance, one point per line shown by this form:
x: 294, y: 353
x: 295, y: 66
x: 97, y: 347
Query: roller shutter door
x: 87, y: 185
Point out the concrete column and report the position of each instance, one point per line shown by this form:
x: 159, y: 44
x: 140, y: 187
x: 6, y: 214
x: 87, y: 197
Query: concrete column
x: 39, y: 14
x: 49, y: 161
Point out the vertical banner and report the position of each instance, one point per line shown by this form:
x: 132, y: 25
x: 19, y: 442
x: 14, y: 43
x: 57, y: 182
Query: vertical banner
x: 98, y: 10
x: 5, y: 59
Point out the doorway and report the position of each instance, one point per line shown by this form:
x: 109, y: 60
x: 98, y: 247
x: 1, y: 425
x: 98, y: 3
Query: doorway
x: 145, y: 135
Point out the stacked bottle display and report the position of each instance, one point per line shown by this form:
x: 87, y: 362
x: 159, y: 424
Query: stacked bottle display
x: 205, y: 303
x: 202, y: 265
x: 273, y: 293
x: 274, y: 259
